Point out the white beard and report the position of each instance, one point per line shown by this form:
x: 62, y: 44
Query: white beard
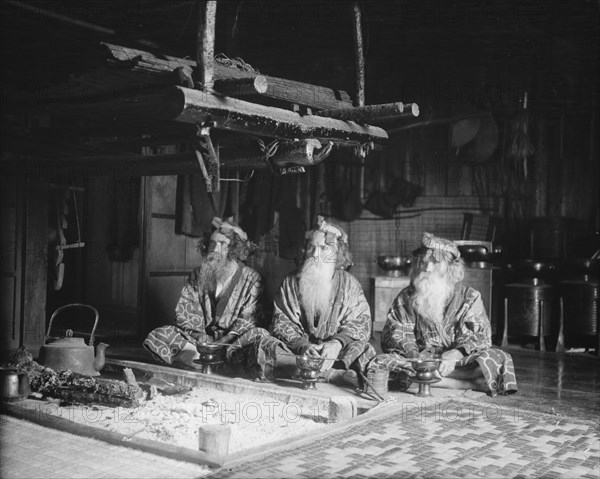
x: 213, y: 268
x: 432, y: 292
x: 315, y: 287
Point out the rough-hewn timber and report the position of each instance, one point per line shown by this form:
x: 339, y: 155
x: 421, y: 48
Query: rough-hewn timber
x: 198, y: 107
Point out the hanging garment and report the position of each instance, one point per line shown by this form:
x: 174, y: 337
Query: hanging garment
x: 196, y: 207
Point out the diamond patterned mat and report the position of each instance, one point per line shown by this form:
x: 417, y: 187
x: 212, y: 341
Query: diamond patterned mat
x: 439, y: 438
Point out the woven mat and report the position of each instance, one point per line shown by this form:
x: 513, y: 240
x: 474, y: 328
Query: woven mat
x: 440, y: 437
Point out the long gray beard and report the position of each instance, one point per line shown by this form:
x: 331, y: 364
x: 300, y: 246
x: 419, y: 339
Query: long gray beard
x: 315, y: 287
x: 432, y: 292
x: 212, y: 269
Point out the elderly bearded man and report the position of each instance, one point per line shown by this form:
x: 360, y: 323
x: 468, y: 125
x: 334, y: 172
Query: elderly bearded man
x: 220, y: 302
x: 438, y: 315
x: 320, y: 310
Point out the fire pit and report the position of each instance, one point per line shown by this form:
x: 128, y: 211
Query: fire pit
x: 212, y: 355
x: 425, y: 368
x: 309, y: 370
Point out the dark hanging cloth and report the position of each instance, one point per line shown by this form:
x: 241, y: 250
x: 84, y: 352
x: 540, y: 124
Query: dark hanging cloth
x: 257, y: 212
x: 401, y: 192
x: 291, y: 222
x: 196, y: 207
x: 124, y: 207
x: 344, y: 192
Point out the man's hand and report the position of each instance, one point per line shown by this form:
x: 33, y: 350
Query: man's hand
x: 412, y: 354
x: 228, y: 338
x: 313, y: 350
x: 331, y: 351
x: 448, y: 363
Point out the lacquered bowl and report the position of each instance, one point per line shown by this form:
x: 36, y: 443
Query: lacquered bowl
x: 425, y: 368
x: 211, y: 352
x: 309, y: 363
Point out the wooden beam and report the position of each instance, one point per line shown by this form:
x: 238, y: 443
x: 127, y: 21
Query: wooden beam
x: 205, y: 43
x: 358, y: 55
x: 278, y: 92
x: 373, y: 113
x: 300, y: 153
x: 159, y: 69
x: 193, y: 106
x: 242, y: 87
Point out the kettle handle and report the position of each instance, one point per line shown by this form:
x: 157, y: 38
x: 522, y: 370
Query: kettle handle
x: 91, y: 342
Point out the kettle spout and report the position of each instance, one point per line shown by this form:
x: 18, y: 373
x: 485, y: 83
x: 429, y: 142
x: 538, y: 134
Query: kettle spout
x: 100, y: 358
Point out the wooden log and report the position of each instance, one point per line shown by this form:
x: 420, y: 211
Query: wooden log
x: 242, y: 87
x: 358, y: 55
x: 205, y: 44
x: 72, y: 387
x: 278, y: 92
x: 197, y: 107
x: 213, y: 439
x: 373, y: 113
x: 159, y: 71
x: 359, y: 59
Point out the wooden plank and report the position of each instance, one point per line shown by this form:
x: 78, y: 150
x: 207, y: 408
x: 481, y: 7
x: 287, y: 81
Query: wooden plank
x: 193, y: 106
x: 35, y: 268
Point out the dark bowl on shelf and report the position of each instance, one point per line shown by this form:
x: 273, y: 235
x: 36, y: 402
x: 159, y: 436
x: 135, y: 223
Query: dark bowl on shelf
x: 393, y: 262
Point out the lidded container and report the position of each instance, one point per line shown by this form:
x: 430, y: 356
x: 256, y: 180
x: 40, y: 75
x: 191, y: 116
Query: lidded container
x: 527, y: 301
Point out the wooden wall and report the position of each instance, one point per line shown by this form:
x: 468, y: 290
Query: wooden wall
x: 23, y: 263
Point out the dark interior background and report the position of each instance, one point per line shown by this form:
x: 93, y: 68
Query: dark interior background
x: 453, y: 58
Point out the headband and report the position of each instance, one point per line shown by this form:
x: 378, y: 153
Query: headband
x: 328, y: 228
x: 224, y: 225
x: 440, y: 248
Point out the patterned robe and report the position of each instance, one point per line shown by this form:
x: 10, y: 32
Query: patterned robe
x: 199, y: 317
x: 348, y: 319
x: 465, y: 327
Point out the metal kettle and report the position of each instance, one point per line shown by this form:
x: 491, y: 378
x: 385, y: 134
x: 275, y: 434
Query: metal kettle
x: 70, y: 352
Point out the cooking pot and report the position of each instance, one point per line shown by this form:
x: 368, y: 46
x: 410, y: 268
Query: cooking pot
x: 70, y: 352
x: 15, y: 386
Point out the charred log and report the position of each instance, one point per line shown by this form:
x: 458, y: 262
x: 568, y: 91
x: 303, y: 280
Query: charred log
x: 71, y: 387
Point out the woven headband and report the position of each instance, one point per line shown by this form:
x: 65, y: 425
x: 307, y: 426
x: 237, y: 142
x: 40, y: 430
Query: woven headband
x: 226, y: 224
x: 440, y: 248
x: 328, y: 228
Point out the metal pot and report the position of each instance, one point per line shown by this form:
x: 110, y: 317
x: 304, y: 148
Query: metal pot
x: 15, y: 386
x: 393, y: 264
x: 72, y: 353
x: 475, y: 252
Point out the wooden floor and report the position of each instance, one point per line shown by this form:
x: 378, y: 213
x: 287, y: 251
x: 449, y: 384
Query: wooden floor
x: 562, y: 384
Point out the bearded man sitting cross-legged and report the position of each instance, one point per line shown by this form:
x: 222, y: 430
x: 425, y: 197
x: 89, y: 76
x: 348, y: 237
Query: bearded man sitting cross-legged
x: 221, y: 302
x: 438, y: 316
x: 320, y: 310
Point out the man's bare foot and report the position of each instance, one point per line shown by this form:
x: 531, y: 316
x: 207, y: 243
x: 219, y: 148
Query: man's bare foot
x: 186, y: 359
x: 341, y: 377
